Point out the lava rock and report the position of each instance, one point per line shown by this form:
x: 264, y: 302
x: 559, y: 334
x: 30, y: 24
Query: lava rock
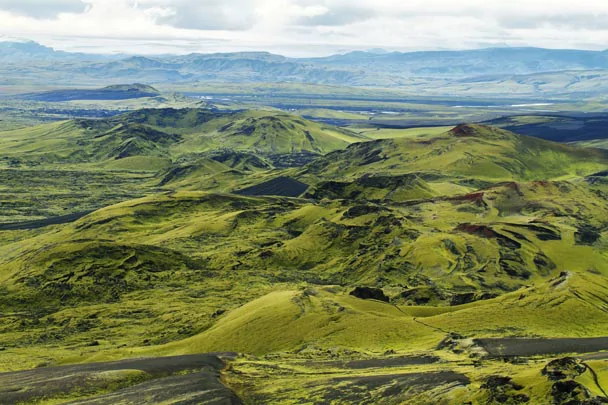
x: 564, y: 368
x: 569, y: 392
x: 502, y: 390
x: 370, y: 293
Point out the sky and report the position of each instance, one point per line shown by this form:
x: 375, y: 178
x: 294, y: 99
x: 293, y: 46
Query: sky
x: 303, y: 27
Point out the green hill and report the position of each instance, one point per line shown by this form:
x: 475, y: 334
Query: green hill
x: 397, y: 188
x: 222, y: 169
x: 467, y: 151
x: 440, y: 252
x: 140, y: 151
x: 262, y: 132
x: 281, y: 134
x: 399, y: 276
x: 456, y: 162
x: 171, y: 134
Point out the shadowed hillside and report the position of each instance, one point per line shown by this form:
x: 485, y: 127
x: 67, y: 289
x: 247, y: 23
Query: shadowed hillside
x: 114, y: 92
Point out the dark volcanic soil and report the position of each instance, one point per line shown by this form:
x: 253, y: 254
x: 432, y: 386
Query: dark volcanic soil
x: 377, y: 363
x: 368, y: 389
x: 41, y: 223
x: 281, y: 186
x: 512, y: 347
x: 391, y: 362
x: 191, y: 379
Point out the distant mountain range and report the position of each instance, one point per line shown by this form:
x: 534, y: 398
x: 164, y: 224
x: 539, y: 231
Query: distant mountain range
x: 475, y: 62
x: 28, y: 51
x: 34, y: 63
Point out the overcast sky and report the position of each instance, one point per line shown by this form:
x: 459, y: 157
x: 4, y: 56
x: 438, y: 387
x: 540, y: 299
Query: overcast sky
x: 304, y: 27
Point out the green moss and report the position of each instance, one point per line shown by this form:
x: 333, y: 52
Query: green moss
x: 473, y: 233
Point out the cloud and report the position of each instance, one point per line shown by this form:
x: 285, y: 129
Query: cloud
x: 298, y: 27
x: 42, y: 8
x: 205, y: 15
x: 568, y: 21
x: 337, y: 16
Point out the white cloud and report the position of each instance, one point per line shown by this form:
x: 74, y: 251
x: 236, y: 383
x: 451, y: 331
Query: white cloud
x: 42, y: 8
x: 304, y: 26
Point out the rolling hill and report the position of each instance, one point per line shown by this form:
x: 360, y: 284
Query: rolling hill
x: 273, y: 134
x: 445, y: 267
x: 467, y: 155
x: 135, y: 154
x: 271, y: 275
x: 171, y: 134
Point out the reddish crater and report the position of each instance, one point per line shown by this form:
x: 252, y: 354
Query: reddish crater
x: 542, y: 183
x: 463, y: 130
x: 479, y: 230
x: 476, y: 198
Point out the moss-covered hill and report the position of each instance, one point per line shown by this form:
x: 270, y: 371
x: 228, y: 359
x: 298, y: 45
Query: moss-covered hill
x: 454, y: 239
x: 193, y: 272
x: 79, y: 165
x: 169, y: 135
x: 456, y: 162
x: 467, y: 151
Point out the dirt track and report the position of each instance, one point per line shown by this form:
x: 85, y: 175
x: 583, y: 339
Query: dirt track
x: 191, y: 379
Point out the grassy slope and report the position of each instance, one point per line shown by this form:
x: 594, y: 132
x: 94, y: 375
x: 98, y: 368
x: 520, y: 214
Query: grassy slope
x: 169, y: 134
x: 410, y: 133
x: 598, y: 143
x: 263, y: 132
x: 443, y: 164
x: 476, y: 151
x: 184, y: 272
x: 259, y: 245
x: 188, y: 148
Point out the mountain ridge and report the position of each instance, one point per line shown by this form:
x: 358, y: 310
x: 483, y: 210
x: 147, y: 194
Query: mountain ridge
x: 358, y: 68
